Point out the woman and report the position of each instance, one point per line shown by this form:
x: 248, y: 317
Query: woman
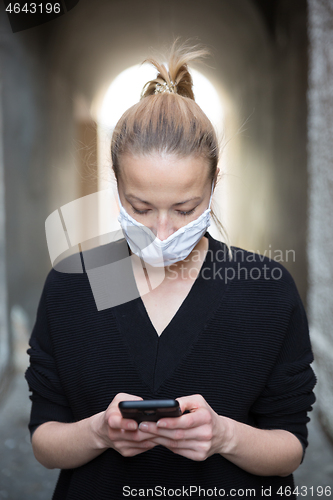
x: 225, y: 333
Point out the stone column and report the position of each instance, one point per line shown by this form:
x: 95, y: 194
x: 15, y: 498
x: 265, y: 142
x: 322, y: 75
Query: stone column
x: 320, y: 191
x: 5, y: 351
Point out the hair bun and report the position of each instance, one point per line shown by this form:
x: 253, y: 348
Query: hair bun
x: 176, y: 80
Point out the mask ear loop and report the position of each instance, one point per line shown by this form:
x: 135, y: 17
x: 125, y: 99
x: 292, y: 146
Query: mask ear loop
x: 211, y: 194
x: 120, y: 205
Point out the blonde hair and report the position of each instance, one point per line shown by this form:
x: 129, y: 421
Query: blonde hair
x: 168, y: 122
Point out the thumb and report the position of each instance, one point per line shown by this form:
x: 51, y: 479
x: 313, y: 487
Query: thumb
x: 190, y: 403
x: 124, y: 396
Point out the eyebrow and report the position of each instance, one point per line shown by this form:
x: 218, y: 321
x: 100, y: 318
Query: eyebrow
x: 131, y: 196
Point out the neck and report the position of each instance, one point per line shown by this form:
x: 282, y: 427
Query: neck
x: 189, y: 267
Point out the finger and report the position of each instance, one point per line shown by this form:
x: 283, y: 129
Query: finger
x: 135, y: 436
x: 184, y: 444
x: 130, y: 445
x: 124, y: 396
x: 135, y: 450
x: 200, y: 433
x: 191, y: 403
x: 196, y: 418
x: 191, y: 454
x: 116, y: 421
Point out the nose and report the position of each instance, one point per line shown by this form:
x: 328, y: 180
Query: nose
x: 164, y: 227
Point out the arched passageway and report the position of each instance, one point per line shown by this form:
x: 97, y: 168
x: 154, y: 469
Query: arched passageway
x: 253, y: 69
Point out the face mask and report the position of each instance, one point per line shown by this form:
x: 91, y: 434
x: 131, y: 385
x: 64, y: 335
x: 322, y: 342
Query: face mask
x: 175, y: 248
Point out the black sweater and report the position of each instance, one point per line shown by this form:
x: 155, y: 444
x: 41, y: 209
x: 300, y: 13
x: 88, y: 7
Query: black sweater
x: 240, y: 339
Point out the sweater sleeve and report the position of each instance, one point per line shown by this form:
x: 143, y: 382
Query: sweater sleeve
x: 288, y: 394
x: 48, y: 399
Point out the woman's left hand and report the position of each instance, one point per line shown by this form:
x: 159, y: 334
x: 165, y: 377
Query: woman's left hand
x: 195, y: 435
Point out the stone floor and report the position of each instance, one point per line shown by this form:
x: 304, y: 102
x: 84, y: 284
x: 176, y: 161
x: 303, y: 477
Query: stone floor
x: 23, y: 478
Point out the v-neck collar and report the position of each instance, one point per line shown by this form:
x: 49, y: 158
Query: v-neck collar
x: 179, y: 308
x: 157, y: 357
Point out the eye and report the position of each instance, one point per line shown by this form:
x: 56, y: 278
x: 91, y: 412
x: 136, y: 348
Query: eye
x: 186, y: 213
x: 141, y: 212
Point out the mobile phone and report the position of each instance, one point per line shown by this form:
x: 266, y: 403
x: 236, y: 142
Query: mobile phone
x: 150, y: 410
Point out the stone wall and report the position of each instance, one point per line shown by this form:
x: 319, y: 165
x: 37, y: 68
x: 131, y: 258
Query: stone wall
x: 32, y: 165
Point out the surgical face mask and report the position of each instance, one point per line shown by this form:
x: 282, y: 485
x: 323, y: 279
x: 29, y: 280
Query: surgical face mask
x: 175, y: 248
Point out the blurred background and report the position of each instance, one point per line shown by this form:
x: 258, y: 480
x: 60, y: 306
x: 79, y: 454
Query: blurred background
x: 268, y: 88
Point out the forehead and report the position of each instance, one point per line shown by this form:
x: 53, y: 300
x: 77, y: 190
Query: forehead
x: 168, y: 172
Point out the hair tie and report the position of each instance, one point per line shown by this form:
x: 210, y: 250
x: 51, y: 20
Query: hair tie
x: 171, y: 88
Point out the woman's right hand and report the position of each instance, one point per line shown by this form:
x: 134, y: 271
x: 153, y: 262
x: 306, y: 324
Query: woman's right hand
x: 121, y: 434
